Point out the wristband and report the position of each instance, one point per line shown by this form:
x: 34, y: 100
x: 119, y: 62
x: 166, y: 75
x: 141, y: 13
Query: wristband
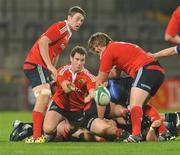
x: 177, y: 49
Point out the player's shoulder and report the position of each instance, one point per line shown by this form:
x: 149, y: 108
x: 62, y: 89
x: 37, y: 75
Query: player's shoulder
x: 117, y: 44
x: 126, y: 44
x: 177, y: 11
x: 113, y: 46
x: 87, y: 73
x: 63, y: 69
x: 59, y: 25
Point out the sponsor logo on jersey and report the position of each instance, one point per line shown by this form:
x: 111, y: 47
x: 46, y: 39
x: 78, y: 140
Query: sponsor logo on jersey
x: 81, y: 81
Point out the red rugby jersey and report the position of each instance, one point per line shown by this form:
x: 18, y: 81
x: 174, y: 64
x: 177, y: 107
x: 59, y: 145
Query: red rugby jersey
x: 173, y: 26
x: 125, y: 56
x: 73, y: 101
x: 59, y: 33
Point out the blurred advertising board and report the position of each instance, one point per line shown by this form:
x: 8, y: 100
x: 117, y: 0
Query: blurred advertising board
x: 168, y: 96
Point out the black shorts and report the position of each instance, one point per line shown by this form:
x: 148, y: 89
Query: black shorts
x: 91, y: 115
x: 38, y: 75
x: 72, y: 116
x: 149, y: 78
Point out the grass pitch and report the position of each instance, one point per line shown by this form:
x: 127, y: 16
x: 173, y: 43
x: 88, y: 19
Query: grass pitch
x: 76, y: 148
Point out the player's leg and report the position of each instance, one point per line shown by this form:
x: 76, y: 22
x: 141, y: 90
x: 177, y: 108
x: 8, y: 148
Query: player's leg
x: 143, y: 88
x: 152, y: 112
x: 107, y: 129
x: 72, y: 122
x: 137, y: 99
x: 52, y: 119
x: 163, y: 133
x: 152, y: 133
x: 172, y: 120
x: 40, y: 79
x: 42, y: 98
x: 66, y: 131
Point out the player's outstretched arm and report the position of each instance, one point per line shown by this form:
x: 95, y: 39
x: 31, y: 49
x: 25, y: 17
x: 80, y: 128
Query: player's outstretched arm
x: 90, y: 96
x: 67, y: 86
x: 167, y: 52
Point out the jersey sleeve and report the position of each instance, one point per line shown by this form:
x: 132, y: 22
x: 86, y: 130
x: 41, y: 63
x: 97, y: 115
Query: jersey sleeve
x: 56, y: 31
x: 90, y: 81
x: 173, y: 26
x: 106, y: 62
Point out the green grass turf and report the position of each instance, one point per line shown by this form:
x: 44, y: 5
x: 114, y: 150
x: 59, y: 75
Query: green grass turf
x: 76, y: 148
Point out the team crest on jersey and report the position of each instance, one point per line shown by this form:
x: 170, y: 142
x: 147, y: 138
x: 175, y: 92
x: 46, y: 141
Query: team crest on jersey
x: 81, y: 81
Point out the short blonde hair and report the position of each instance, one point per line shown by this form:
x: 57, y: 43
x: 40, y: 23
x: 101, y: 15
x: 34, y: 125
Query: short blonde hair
x: 96, y: 39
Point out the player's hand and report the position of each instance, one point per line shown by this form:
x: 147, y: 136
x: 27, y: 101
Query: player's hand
x: 87, y: 99
x: 53, y: 71
x: 72, y: 87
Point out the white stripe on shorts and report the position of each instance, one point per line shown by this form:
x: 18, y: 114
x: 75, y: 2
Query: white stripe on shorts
x: 138, y: 77
x: 41, y: 74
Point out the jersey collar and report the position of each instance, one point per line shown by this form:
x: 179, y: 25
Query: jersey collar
x: 68, y: 28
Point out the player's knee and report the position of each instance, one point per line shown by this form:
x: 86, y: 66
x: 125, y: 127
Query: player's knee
x: 48, y: 129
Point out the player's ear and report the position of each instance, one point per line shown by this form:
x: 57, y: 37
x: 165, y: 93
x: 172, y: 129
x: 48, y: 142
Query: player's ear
x: 71, y: 58
x: 69, y: 17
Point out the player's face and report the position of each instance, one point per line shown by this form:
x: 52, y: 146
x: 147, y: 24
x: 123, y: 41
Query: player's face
x: 78, y: 62
x: 99, y: 49
x: 75, y: 21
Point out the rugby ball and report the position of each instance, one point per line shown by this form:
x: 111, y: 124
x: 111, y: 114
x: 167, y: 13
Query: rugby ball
x: 102, y: 96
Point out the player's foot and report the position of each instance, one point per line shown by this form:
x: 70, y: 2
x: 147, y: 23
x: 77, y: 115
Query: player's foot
x: 166, y: 136
x: 29, y: 140
x: 16, y: 123
x: 124, y: 135
x: 41, y: 139
x: 17, y: 126
x: 134, y: 139
x: 178, y: 122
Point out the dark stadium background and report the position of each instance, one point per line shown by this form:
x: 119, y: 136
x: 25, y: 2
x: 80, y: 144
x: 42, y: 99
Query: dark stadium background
x: 138, y: 21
